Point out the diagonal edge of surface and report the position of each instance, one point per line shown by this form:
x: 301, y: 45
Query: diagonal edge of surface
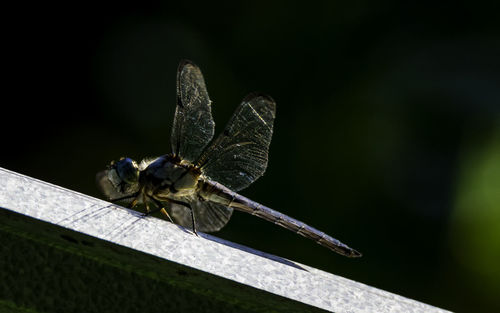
x: 205, y: 253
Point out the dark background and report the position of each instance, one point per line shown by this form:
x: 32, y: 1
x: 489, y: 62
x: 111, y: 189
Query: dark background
x: 387, y: 134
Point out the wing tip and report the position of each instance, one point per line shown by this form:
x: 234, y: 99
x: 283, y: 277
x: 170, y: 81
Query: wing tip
x: 253, y: 95
x: 184, y: 62
x: 103, y: 184
x: 257, y: 94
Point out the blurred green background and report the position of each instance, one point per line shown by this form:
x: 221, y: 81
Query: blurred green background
x: 387, y: 134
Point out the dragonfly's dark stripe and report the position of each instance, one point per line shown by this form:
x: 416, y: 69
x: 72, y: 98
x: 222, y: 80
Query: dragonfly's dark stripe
x: 218, y: 193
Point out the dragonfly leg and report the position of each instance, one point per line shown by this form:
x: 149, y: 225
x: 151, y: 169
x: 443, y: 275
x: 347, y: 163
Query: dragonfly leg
x: 146, y: 204
x: 187, y: 205
x: 134, y: 195
x: 134, y: 203
x: 159, y: 207
x: 164, y: 212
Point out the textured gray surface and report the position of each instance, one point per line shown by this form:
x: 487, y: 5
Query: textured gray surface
x: 206, y: 253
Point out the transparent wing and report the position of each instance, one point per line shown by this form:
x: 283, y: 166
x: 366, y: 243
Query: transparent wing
x: 193, y: 126
x: 110, y: 191
x: 209, y: 216
x: 239, y: 155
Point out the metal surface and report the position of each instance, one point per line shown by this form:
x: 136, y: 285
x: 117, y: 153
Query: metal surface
x: 175, y: 246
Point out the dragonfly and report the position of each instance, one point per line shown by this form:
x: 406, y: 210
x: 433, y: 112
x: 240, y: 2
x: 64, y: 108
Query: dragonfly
x: 196, y: 185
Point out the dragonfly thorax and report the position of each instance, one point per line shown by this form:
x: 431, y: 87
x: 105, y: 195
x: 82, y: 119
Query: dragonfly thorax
x: 167, y: 177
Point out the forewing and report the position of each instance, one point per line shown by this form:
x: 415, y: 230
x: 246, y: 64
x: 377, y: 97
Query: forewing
x: 193, y: 126
x: 209, y: 216
x: 239, y: 155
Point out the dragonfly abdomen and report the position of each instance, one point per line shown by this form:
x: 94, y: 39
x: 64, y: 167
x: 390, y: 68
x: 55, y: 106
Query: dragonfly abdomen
x: 213, y: 191
x: 244, y: 204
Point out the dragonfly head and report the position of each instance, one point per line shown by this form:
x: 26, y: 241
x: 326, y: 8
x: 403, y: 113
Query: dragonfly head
x: 124, y: 172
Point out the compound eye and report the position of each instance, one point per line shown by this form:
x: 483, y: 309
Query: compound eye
x: 127, y: 170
